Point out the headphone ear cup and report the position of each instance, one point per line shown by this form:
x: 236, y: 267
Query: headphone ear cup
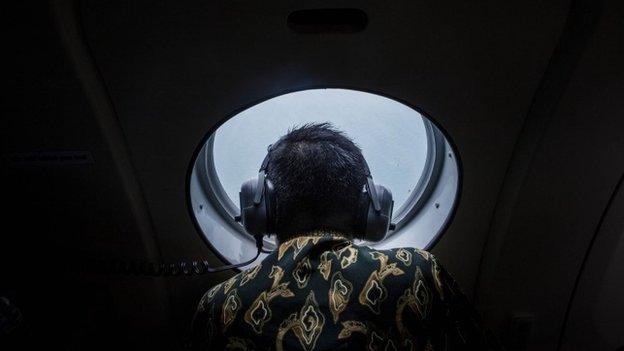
x: 253, y: 216
x: 378, y: 222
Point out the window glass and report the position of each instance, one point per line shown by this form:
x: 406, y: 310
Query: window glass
x: 392, y: 136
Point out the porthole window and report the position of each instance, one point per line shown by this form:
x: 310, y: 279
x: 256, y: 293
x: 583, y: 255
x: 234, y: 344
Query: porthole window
x: 404, y: 149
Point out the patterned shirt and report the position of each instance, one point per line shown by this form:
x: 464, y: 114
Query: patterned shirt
x: 322, y: 292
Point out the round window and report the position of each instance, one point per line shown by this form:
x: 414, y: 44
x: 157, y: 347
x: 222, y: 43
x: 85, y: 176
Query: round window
x: 404, y: 150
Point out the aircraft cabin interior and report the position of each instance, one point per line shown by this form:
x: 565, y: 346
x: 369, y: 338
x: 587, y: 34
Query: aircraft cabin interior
x: 129, y: 126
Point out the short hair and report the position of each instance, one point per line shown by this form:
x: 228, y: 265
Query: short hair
x: 318, y: 174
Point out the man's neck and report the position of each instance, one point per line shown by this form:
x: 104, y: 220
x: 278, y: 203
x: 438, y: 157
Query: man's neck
x: 317, y: 233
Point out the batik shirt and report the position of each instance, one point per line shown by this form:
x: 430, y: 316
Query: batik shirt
x: 322, y: 292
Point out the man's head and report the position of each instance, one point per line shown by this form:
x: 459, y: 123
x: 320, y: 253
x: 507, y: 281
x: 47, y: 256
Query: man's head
x: 318, y: 174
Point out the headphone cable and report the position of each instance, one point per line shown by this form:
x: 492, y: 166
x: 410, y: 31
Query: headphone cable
x: 163, y: 269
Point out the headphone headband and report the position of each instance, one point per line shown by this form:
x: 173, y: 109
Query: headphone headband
x: 261, y: 177
x: 370, y: 186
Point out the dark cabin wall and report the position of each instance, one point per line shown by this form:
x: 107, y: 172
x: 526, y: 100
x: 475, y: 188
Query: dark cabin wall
x: 594, y: 312
x: 138, y: 84
x: 531, y: 265
x: 58, y: 215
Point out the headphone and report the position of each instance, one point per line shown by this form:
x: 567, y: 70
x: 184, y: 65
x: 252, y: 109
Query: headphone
x: 258, y: 205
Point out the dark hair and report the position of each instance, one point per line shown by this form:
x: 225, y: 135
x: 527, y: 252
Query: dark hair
x: 318, y: 174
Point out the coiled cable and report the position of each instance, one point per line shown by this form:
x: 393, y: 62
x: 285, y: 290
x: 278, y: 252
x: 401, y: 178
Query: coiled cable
x: 164, y: 269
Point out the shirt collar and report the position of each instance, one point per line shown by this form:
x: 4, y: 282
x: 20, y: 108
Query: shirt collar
x: 334, y: 235
x: 300, y: 245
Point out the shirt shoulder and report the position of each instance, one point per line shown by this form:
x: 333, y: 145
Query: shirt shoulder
x: 417, y: 265
x: 404, y: 256
x: 221, y: 290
